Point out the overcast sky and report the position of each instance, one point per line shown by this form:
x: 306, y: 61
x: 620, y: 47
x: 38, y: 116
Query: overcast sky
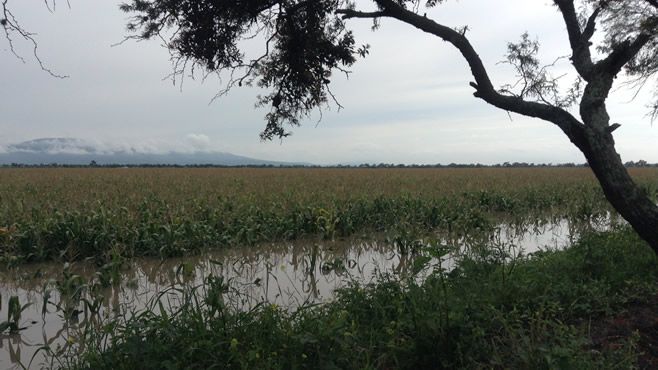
x: 407, y: 102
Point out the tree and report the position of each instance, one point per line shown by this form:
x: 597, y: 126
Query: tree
x: 306, y: 41
x: 14, y: 30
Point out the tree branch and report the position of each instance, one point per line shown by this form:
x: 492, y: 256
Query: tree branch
x: 590, y: 26
x: 579, y: 40
x: 483, y: 86
x: 622, y: 54
x: 10, y: 26
x: 351, y: 13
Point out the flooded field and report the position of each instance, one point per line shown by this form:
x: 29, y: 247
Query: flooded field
x: 143, y: 241
x: 61, y: 302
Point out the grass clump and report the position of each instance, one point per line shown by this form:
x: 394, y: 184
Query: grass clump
x: 488, y: 312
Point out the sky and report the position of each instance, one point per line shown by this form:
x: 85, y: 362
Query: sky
x: 407, y: 102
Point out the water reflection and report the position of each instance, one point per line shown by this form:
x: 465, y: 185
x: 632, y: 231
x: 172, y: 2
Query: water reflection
x: 62, y: 304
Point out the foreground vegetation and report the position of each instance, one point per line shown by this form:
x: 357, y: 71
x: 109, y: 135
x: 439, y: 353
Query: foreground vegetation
x: 541, y: 312
x: 72, y: 214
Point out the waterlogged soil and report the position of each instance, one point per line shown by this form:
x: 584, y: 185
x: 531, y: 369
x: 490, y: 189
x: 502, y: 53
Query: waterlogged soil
x: 289, y: 275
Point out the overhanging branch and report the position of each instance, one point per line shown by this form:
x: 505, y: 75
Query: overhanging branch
x: 484, y: 88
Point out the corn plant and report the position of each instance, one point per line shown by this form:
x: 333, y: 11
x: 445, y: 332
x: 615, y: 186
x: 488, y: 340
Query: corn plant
x: 14, y: 312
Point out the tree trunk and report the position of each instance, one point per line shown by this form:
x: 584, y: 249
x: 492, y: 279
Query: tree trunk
x: 621, y: 191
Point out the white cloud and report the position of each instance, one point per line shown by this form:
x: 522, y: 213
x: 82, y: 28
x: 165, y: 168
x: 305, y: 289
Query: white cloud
x: 187, y: 144
x: 199, y: 142
x: 66, y: 145
x: 53, y: 146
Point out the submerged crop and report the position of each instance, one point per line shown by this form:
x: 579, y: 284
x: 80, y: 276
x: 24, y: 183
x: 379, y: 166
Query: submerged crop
x: 74, y: 214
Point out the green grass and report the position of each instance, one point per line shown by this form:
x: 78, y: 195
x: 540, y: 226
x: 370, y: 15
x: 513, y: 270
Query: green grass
x: 490, y: 312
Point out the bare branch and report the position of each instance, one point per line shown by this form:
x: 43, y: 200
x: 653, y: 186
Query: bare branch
x: 11, y: 27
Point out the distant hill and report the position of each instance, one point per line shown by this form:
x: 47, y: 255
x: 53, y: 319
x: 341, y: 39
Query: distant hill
x: 72, y: 151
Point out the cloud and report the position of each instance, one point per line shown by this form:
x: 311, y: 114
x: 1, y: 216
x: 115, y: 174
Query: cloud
x: 190, y: 143
x: 198, y: 142
x: 187, y: 144
x: 54, y: 146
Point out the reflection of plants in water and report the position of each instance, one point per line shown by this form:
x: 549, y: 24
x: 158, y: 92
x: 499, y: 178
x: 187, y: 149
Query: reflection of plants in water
x: 310, y: 280
x: 185, y: 272
x: 81, y: 303
x: 14, y: 312
x: 337, y: 266
x: 406, y: 240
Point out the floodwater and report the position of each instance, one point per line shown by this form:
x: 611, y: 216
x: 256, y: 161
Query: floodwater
x: 288, y: 275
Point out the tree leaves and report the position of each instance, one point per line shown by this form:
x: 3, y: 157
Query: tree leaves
x: 305, y: 42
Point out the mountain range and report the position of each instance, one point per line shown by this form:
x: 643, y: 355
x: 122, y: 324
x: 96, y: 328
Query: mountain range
x: 73, y: 151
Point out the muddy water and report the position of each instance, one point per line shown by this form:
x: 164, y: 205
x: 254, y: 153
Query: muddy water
x: 289, y: 275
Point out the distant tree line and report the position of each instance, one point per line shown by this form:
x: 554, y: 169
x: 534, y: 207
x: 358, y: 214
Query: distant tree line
x: 93, y: 164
